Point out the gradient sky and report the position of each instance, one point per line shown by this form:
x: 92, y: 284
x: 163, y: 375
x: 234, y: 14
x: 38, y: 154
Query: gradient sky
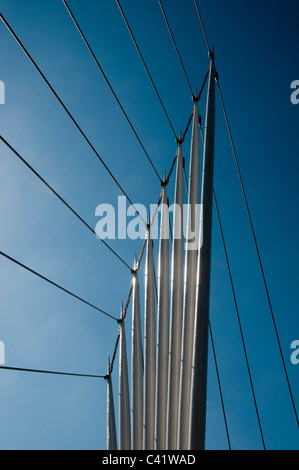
x: 256, y: 51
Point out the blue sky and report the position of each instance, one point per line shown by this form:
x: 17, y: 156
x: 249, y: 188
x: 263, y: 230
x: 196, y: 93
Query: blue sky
x: 43, y: 328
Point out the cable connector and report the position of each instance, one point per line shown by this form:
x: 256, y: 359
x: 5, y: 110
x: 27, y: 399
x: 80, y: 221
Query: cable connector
x: 165, y: 182
x: 179, y: 140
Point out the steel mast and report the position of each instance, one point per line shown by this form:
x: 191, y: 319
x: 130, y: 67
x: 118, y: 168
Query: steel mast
x: 200, y: 357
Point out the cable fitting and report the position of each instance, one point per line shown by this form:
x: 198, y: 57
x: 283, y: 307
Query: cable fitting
x: 165, y: 182
x: 134, y: 272
x: 179, y: 141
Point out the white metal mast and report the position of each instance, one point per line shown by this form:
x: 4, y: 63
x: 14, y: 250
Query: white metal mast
x: 149, y: 349
x: 162, y: 326
x: 137, y: 368
x: 199, y: 374
x: 176, y: 307
x: 189, y: 285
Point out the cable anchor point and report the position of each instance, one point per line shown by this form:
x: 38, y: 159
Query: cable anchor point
x: 180, y: 140
x: 165, y: 182
x: 196, y: 98
x: 134, y: 271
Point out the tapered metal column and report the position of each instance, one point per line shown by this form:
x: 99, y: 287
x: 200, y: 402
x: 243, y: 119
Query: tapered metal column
x: 189, y: 286
x: 111, y: 426
x: 124, y: 400
x: 176, y: 308
x: 137, y: 369
x: 199, y: 375
x: 149, y: 350
x: 162, y: 327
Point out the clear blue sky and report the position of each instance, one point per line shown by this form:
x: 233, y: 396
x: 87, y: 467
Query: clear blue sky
x: 43, y: 328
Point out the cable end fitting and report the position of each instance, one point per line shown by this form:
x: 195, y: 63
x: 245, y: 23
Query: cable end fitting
x: 134, y: 271
x: 165, y: 183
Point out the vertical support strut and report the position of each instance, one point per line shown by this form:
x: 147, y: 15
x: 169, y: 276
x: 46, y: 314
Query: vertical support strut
x: 111, y: 426
x: 162, y: 326
x: 176, y: 308
x: 149, y: 349
x: 124, y: 400
x: 189, y: 285
x: 199, y: 370
x: 137, y: 369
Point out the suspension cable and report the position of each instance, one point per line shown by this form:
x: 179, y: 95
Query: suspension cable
x: 202, y: 26
x: 134, y: 272
x: 145, y: 66
x: 55, y: 285
x: 219, y: 385
x: 62, y: 200
x: 175, y: 46
x: 109, y: 85
x: 72, y: 374
x: 239, y: 320
x: 68, y: 112
x: 258, y: 254
x: 251, y: 226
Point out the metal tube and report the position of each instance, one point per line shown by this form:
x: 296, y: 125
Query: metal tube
x: 111, y: 426
x: 149, y: 350
x: 124, y: 400
x: 189, y: 286
x: 176, y: 308
x: 162, y: 327
x: 137, y: 370
x: 199, y: 374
